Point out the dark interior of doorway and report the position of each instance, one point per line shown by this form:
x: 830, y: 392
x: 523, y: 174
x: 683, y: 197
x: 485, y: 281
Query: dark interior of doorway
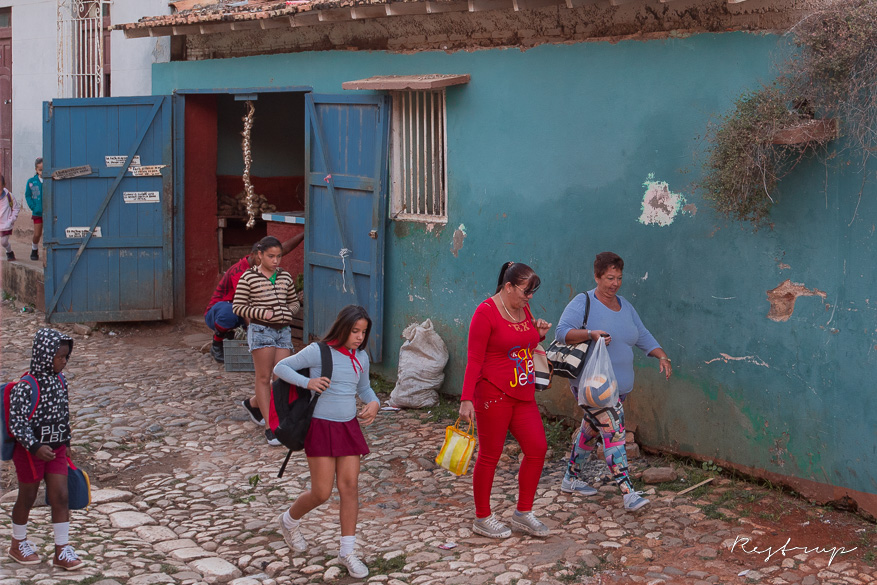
x: 214, y: 166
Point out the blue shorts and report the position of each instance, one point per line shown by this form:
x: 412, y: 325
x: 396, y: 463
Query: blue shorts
x: 261, y: 336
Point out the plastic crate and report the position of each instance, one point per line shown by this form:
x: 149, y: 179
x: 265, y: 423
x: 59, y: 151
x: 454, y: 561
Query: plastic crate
x: 237, y: 356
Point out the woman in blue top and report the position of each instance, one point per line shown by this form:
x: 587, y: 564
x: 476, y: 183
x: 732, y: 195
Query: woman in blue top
x: 334, y: 443
x: 613, y: 317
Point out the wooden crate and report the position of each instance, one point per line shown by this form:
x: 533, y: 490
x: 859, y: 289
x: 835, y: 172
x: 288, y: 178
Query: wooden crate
x: 237, y: 356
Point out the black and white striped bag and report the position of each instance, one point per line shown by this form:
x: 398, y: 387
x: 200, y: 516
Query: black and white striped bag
x: 568, y: 361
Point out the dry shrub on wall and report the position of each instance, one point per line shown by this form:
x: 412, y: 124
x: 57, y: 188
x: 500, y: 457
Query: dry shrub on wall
x: 832, y: 75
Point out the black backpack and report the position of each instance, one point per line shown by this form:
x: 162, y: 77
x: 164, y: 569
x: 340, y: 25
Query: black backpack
x: 292, y: 408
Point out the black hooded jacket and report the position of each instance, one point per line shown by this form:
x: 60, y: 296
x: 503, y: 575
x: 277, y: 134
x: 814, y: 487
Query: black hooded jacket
x: 50, y: 424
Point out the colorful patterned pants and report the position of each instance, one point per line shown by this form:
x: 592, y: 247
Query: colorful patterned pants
x: 606, y: 424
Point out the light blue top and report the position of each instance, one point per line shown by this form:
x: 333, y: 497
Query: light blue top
x: 625, y: 327
x: 338, y: 401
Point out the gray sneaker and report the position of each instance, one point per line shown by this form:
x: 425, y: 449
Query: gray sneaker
x: 293, y: 537
x: 576, y: 486
x: 491, y: 527
x: 634, y: 501
x: 527, y: 522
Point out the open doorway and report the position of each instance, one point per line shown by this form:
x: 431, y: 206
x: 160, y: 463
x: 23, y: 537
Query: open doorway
x: 216, y: 232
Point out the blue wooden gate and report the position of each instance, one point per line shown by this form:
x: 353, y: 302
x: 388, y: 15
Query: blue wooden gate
x: 346, y: 152
x: 108, y: 234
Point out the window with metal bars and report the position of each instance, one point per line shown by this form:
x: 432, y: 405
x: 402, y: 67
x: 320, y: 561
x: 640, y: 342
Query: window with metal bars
x: 83, y: 48
x: 419, y: 174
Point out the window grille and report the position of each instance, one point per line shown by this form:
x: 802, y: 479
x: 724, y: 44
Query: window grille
x: 419, y: 156
x: 82, y: 47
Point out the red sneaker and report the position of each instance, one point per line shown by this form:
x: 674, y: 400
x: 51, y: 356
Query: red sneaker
x: 23, y: 552
x: 65, y: 558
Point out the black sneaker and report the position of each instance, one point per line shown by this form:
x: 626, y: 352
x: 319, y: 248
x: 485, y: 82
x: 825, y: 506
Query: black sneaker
x: 272, y: 440
x: 216, y: 351
x: 34, y: 255
x: 255, y: 413
x: 10, y: 256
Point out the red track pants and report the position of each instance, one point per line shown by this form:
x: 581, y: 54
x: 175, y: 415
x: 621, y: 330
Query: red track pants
x: 496, y: 414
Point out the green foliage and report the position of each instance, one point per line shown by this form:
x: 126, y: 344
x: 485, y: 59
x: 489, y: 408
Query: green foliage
x: 832, y: 75
x: 710, y: 466
x: 380, y: 384
x: 8, y: 296
x: 559, y: 435
x: 254, y: 481
x: 743, y: 166
x: 382, y: 566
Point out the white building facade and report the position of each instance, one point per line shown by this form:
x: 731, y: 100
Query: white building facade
x: 61, y: 48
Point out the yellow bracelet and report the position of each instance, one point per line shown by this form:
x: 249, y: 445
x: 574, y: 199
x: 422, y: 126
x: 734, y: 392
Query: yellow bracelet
x: 665, y: 358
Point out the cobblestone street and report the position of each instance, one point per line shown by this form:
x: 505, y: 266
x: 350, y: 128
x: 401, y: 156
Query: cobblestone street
x: 185, y: 491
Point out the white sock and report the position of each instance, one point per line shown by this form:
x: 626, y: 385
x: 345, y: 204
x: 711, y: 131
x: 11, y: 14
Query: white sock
x: 289, y: 522
x: 348, y: 543
x: 19, y: 531
x: 62, y: 533
x: 4, y: 241
x: 34, y: 247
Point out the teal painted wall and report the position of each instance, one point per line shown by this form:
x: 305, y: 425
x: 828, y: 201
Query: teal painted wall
x: 548, y: 151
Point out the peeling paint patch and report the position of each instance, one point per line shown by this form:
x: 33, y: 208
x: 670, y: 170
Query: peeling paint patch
x: 430, y: 227
x: 783, y: 266
x: 459, y: 236
x: 690, y: 208
x: 660, y: 205
x: 782, y: 299
x: 645, y: 277
x: 752, y: 359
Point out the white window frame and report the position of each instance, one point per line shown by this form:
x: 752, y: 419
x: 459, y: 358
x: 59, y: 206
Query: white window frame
x: 419, y: 182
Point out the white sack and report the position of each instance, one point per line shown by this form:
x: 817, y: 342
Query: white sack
x: 422, y: 360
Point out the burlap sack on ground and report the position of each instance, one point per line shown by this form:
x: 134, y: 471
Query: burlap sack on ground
x: 422, y: 360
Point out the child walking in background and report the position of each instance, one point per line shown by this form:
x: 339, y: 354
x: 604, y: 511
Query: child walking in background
x: 33, y: 194
x: 41, y: 447
x: 334, y: 443
x: 9, y: 210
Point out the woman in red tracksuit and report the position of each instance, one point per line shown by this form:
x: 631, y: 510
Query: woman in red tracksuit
x: 498, y: 389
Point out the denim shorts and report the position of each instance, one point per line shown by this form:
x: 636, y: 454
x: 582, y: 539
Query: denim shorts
x: 260, y: 336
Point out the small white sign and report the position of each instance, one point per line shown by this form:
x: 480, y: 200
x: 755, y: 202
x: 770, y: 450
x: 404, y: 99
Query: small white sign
x: 141, y: 197
x: 147, y: 171
x: 119, y: 160
x: 81, y: 232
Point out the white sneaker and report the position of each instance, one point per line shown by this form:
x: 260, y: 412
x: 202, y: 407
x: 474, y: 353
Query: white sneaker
x: 491, y: 527
x: 570, y: 485
x: 293, y: 537
x: 355, y: 567
x: 527, y: 522
x: 633, y: 501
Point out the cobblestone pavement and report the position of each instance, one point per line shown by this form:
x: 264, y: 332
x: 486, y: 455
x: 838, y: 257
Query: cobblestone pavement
x: 185, y: 491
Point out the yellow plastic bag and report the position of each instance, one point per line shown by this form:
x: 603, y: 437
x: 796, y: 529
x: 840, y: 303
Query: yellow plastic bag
x: 457, y: 450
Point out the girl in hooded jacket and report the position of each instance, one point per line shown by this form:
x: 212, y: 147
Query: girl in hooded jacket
x: 41, y: 447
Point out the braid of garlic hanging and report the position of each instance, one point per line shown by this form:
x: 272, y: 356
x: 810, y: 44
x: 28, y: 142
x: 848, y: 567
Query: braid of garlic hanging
x: 252, y: 204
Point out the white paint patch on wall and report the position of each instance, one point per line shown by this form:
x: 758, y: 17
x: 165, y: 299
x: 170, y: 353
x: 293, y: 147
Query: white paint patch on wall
x: 660, y: 205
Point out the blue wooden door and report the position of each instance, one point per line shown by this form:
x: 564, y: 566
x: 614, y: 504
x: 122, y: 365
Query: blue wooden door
x: 346, y: 151
x: 108, y: 233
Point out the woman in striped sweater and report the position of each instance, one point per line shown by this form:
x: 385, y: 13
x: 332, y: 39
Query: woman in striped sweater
x: 266, y: 297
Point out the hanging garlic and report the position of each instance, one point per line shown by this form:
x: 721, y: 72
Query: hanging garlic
x: 252, y: 203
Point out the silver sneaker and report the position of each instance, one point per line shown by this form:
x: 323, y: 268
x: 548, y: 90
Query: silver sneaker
x: 293, y: 537
x: 355, y: 567
x: 576, y: 486
x: 491, y: 527
x: 634, y: 501
x: 527, y: 522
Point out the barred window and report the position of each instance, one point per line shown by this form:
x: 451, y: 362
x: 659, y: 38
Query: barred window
x: 83, y: 48
x: 419, y: 156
